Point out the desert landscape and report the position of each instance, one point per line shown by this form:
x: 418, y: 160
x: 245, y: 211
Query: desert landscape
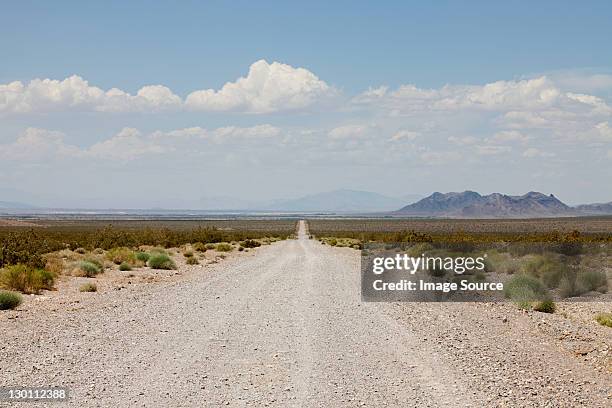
x: 306, y: 204
x: 276, y: 319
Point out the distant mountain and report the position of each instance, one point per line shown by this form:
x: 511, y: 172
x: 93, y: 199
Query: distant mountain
x: 339, y: 201
x: 595, y: 209
x: 12, y: 205
x: 470, y: 204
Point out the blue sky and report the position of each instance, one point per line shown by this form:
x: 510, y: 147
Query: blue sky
x: 507, y: 96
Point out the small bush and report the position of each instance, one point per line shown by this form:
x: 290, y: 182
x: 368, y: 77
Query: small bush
x: 55, y: 265
x: 161, y: 261
x: 192, y: 260
x: 26, y: 279
x: 9, y: 300
x: 592, y: 280
x: 80, y: 250
x: 545, y: 306
x: 199, y: 246
x: 98, y: 251
x: 90, y: 268
x: 121, y: 255
x: 188, y: 254
x: 240, y: 249
x: 547, y: 267
x: 125, y: 267
x: 250, y: 243
x: 88, y: 287
x: 605, y: 319
x: 223, y: 247
x: 210, y: 246
x: 524, y: 289
x: 142, y: 256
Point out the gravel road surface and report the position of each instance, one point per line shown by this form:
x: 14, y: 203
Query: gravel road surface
x: 284, y: 326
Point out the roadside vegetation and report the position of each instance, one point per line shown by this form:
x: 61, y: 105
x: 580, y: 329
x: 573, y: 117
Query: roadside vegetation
x: 88, y: 287
x: 9, y: 300
x: 605, y: 319
x: 27, y: 245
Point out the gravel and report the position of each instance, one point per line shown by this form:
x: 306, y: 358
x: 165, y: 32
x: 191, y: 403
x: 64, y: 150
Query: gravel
x: 284, y: 325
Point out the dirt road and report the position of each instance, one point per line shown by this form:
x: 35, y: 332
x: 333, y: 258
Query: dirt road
x: 286, y: 327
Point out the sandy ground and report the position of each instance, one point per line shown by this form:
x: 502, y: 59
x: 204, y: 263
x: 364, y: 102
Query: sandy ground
x: 284, y: 325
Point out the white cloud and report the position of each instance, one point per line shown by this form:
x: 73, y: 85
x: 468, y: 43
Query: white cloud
x: 37, y: 144
x: 266, y: 88
x: 492, y: 150
x: 75, y: 93
x: 605, y: 131
x: 533, y: 152
x: 128, y: 144
x: 223, y: 134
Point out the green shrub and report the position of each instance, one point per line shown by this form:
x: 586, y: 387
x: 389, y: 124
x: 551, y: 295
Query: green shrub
x: 332, y: 241
x: 125, y: 267
x: 210, y: 246
x: 250, y: 243
x: 524, y: 289
x: 548, y: 267
x: 545, y: 306
x: 199, y: 246
x: 90, y: 267
x: 142, y: 256
x: 161, y: 261
x: 502, y: 263
x: 188, y: 254
x: 121, y: 255
x: 570, y: 286
x: 223, y: 247
x: 605, y: 319
x: 192, y: 260
x: 590, y: 280
x: 88, y: 287
x: 9, y: 300
x: 26, y: 279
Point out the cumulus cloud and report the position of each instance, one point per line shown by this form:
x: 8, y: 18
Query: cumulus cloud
x: 128, y: 144
x: 266, y: 88
x: 529, y: 103
x: 223, y: 134
x: 75, y: 93
x: 37, y: 144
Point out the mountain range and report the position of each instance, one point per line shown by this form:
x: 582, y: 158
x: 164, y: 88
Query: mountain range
x: 466, y: 204
x: 470, y: 204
